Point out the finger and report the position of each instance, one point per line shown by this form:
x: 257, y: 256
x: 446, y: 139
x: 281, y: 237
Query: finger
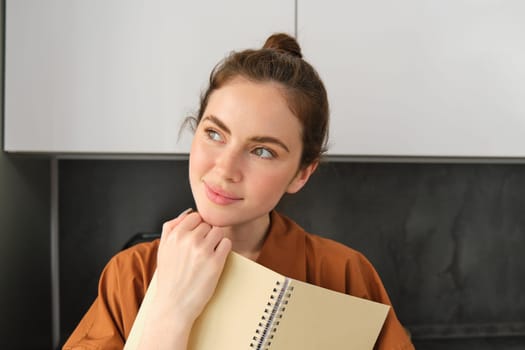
x: 188, y: 223
x: 212, y: 239
x: 201, y: 231
x: 223, y: 249
x: 168, y: 226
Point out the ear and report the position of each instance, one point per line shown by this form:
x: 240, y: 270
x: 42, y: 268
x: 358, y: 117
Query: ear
x: 301, y: 178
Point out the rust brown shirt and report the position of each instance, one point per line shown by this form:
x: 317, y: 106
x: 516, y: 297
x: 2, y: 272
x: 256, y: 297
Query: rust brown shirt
x: 288, y: 250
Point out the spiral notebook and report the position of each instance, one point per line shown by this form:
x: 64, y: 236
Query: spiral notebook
x: 254, y: 307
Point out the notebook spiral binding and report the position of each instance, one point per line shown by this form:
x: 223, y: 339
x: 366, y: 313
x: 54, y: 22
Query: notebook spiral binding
x: 273, y: 312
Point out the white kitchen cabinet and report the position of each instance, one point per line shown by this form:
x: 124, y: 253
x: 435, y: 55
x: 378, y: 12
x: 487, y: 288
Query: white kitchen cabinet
x: 119, y: 76
x: 422, y: 78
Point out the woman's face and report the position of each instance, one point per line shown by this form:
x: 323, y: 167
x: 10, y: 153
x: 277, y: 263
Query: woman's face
x: 245, y: 153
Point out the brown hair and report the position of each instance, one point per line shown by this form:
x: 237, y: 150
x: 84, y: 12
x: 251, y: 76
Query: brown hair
x: 280, y: 60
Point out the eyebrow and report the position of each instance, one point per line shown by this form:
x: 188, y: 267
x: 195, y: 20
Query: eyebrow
x: 262, y: 139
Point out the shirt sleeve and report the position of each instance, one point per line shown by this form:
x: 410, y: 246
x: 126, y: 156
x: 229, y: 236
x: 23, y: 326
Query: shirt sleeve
x: 337, y: 267
x: 122, y: 286
x: 393, y: 335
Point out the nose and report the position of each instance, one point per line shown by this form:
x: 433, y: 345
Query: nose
x: 228, y: 164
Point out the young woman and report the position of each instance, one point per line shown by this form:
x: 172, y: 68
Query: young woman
x: 260, y: 132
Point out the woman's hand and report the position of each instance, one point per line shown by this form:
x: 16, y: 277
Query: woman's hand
x: 190, y: 260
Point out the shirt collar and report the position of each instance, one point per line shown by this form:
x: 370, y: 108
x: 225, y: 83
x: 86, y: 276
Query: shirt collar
x: 284, y: 249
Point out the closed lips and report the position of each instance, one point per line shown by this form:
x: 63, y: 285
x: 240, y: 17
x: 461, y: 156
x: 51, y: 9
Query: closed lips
x: 218, y: 191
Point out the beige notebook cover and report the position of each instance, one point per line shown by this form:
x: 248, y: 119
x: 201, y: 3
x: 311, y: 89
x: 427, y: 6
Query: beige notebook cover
x: 254, y: 307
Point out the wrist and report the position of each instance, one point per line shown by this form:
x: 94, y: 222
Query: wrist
x: 166, y: 328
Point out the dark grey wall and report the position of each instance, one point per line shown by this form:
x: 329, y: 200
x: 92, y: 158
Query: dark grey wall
x: 447, y: 239
x: 102, y: 205
x: 25, y: 299
x: 25, y: 311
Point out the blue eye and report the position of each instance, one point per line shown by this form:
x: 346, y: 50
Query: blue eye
x: 213, y: 135
x: 263, y: 153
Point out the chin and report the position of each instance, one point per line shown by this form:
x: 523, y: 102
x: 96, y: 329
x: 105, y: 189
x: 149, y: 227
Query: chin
x: 216, y: 217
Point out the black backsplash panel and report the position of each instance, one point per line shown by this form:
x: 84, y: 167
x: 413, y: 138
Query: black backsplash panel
x: 447, y: 239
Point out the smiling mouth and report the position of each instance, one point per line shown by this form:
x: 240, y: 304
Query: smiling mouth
x: 220, y: 197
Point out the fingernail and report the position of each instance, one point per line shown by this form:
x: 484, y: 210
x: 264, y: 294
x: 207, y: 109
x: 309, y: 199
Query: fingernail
x: 187, y: 211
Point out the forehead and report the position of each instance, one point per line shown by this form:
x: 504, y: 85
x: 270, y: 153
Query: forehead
x: 257, y: 106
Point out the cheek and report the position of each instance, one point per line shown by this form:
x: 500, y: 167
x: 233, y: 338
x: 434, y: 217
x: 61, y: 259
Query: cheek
x: 276, y: 181
x: 196, y: 166
x: 199, y: 156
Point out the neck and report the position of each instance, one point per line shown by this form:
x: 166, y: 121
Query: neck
x: 248, y: 238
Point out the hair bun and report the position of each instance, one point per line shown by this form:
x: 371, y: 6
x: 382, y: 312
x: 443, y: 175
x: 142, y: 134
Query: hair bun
x: 283, y: 42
